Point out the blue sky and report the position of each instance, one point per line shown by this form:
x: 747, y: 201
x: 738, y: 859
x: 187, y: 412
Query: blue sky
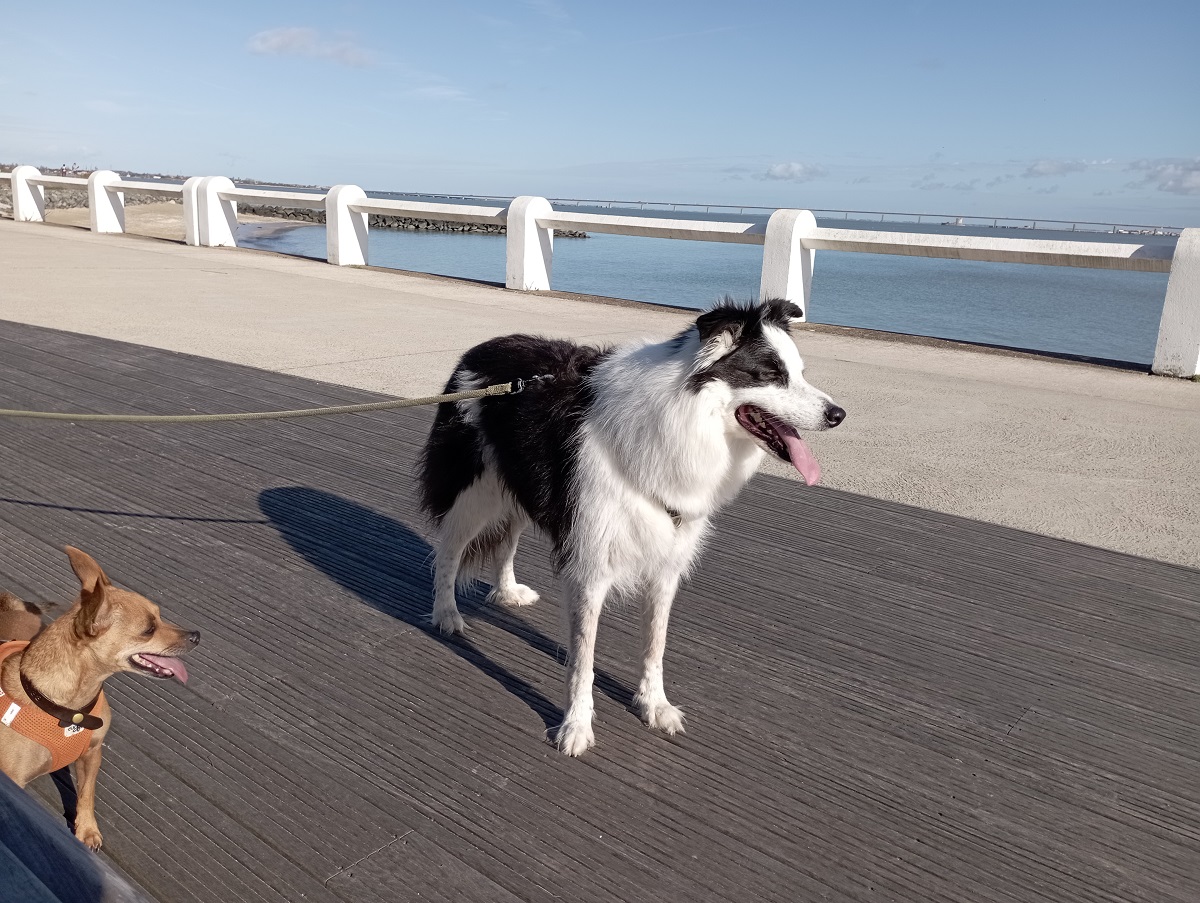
x: 1053, y: 109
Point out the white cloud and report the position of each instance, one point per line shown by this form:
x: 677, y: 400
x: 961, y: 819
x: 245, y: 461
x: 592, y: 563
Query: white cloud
x: 927, y: 183
x: 680, y: 36
x: 1041, y: 168
x: 1176, y: 176
x: 551, y: 9
x: 437, y: 92
x: 308, y: 42
x: 794, y: 172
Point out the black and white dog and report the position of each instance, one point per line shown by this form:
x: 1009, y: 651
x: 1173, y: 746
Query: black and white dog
x: 621, y: 458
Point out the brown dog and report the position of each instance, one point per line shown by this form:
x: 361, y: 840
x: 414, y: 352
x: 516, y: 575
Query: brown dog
x: 52, y: 710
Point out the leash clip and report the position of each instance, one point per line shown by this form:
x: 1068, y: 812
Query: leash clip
x: 519, y: 385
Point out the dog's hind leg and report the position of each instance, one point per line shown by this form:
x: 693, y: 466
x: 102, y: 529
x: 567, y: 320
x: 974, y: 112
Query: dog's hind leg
x: 581, y: 607
x: 505, y: 589
x: 651, y: 698
x: 463, y: 532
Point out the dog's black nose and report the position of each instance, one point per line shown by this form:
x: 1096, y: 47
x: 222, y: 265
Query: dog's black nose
x: 834, y: 415
x: 194, y: 637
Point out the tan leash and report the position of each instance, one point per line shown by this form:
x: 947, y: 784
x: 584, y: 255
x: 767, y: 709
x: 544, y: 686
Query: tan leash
x: 511, y: 388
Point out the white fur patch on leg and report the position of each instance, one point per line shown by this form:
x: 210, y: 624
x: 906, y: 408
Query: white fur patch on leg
x: 659, y: 714
x: 515, y: 595
x: 447, y: 620
x: 574, y: 738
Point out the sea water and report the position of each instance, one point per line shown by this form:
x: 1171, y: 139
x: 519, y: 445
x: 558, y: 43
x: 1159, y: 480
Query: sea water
x: 1107, y: 314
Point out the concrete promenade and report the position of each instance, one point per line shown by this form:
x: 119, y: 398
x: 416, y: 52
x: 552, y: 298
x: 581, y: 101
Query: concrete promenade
x: 1095, y: 455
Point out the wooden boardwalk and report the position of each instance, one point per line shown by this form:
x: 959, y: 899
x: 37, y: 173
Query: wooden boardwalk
x: 884, y: 704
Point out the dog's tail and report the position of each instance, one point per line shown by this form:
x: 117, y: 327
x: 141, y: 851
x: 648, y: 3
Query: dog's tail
x: 451, y: 459
x: 19, y: 620
x: 9, y: 602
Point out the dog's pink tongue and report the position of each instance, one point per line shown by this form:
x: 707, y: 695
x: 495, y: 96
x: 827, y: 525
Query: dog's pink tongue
x: 802, y: 457
x: 177, y: 668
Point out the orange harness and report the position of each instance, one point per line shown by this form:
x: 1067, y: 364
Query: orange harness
x: 66, y: 745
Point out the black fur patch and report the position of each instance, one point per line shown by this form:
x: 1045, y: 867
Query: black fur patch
x: 533, y: 434
x: 753, y: 361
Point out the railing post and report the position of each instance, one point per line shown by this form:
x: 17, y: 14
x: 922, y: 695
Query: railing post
x: 191, y: 210
x: 1178, y: 350
x: 530, y: 248
x: 28, y: 200
x: 787, y: 265
x: 346, y: 230
x: 217, y: 217
x: 106, y: 208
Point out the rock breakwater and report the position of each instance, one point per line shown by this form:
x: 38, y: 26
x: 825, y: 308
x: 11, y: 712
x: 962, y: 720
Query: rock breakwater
x: 71, y: 198
x: 399, y: 223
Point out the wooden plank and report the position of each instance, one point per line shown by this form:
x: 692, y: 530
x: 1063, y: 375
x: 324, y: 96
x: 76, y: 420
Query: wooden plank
x: 883, y: 701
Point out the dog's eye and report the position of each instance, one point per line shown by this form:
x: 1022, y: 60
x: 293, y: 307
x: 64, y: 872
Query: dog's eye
x: 149, y: 631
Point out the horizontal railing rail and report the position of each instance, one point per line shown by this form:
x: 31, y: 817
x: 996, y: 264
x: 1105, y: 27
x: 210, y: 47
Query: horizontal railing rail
x: 60, y: 181
x: 790, y: 239
x: 890, y: 216
x: 1096, y: 254
x: 693, y: 230
x: 155, y: 188
x: 269, y: 198
x: 448, y: 213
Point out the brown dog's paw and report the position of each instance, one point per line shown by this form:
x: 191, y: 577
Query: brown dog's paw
x: 89, y: 837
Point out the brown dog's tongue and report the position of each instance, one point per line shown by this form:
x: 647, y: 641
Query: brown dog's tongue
x: 177, y: 668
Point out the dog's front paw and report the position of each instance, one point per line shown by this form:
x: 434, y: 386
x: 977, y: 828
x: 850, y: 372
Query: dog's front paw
x: 513, y: 596
x: 448, y: 621
x: 575, y: 738
x: 89, y: 836
x: 661, y: 715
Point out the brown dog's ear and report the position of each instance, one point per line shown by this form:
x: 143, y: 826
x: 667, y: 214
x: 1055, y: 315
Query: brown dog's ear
x: 84, y: 565
x: 93, y: 606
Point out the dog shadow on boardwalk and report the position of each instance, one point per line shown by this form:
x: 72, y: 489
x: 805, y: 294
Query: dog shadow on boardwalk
x: 390, y: 567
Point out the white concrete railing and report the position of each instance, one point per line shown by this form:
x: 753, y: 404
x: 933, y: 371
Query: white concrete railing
x: 790, y: 240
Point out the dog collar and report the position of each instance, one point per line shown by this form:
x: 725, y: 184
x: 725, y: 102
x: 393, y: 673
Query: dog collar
x: 677, y: 518
x: 66, y: 717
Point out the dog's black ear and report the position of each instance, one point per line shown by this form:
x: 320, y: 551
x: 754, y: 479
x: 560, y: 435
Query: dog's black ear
x: 94, y: 609
x: 781, y: 313
x: 720, y: 329
x: 724, y: 319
